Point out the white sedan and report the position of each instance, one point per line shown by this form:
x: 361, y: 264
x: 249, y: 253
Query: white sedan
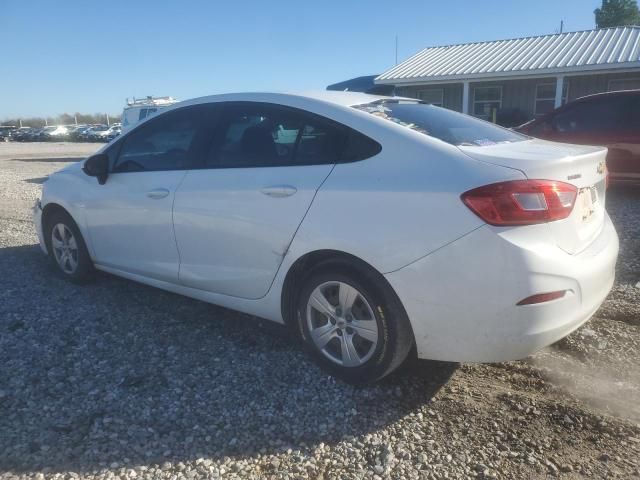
x: 372, y: 226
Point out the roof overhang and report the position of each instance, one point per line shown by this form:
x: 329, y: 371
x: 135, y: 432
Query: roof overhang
x: 515, y: 75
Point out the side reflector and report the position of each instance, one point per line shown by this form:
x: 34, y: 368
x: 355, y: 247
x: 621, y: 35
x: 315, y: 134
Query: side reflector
x: 542, y: 297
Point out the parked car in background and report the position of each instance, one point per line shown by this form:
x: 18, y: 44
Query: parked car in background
x: 139, y: 109
x: 6, y: 132
x: 79, y: 134
x: 24, y: 134
x: 43, y: 134
x: 114, y: 131
x: 92, y: 134
x: 72, y: 131
x: 372, y: 226
x: 107, y: 135
x: 609, y: 119
x: 55, y: 133
x: 364, y: 84
x: 17, y: 133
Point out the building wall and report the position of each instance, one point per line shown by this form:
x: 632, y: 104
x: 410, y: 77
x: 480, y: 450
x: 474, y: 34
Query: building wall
x: 452, y: 93
x: 590, y: 84
x: 520, y: 94
x: 516, y: 94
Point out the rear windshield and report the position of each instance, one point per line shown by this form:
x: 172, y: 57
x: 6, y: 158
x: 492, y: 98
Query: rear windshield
x: 451, y: 127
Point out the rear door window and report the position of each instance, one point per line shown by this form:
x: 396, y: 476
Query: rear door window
x: 252, y: 134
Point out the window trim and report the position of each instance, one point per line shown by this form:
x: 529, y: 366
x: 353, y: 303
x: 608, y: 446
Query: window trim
x: 441, y: 90
x: 563, y: 100
x: 475, y: 89
x: 612, y: 80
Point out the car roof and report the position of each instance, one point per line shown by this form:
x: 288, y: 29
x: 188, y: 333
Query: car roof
x: 586, y: 98
x: 617, y: 93
x: 345, y: 99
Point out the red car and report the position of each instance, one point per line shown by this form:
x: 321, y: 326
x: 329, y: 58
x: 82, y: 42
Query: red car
x: 609, y: 119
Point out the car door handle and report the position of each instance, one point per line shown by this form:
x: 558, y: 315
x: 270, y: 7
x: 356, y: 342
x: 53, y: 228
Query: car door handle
x: 279, y: 191
x: 158, y: 193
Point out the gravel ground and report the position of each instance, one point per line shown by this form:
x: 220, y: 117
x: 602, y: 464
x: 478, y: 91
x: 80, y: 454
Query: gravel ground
x: 120, y: 380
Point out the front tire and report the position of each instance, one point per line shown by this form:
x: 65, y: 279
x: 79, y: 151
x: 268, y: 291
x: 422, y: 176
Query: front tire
x: 352, y: 323
x: 67, y: 250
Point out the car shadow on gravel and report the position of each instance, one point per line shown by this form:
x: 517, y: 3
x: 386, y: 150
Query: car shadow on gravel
x: 37, y: 180
x: 116, y: 374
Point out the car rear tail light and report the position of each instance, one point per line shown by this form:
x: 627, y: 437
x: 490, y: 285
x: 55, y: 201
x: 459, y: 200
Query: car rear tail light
x: 521, y: 202
x: 542, y: 297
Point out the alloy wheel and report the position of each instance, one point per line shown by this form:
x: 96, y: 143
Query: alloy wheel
x: 65, y: 248
x: 342, y: 324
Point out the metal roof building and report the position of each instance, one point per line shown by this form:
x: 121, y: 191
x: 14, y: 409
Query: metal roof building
x: 563, y: 60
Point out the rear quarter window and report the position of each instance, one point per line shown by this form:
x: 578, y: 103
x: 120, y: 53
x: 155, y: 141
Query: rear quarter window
x: 451, y: 127
x: 359, y: 147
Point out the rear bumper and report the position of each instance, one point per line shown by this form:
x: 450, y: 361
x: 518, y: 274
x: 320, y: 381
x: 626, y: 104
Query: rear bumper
x: 461, y: 299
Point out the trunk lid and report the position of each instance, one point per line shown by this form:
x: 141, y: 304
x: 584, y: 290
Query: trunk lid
x: 579, y: 165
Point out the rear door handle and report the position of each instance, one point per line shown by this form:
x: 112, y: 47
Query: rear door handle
x: 158, y: 193
x: 279, y: 191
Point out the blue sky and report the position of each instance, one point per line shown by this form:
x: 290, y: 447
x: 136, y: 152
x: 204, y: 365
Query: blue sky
x: 88, y: 56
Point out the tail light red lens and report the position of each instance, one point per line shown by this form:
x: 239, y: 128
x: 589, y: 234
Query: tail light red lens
x: 522, y: 202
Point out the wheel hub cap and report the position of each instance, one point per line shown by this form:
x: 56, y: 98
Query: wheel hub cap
x: 65, y: 248
x: 342, y: 324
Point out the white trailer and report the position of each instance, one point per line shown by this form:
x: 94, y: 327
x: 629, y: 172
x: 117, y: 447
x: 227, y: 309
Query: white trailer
x: 138, y: 109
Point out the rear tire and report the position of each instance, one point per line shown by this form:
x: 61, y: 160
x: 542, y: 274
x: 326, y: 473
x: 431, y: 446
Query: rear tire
x: 352, y: 323
x: 66, y: 247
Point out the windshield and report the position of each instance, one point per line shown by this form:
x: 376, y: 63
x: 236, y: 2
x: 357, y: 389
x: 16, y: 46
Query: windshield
x: 446, y: 125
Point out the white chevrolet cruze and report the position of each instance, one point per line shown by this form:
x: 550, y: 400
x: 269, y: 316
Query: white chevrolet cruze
x: 370, y: 225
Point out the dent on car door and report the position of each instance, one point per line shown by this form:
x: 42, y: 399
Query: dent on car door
x: 130, y: 217
x: 236, y: 216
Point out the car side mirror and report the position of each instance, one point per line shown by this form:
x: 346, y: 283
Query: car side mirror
x: 97, y: 166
